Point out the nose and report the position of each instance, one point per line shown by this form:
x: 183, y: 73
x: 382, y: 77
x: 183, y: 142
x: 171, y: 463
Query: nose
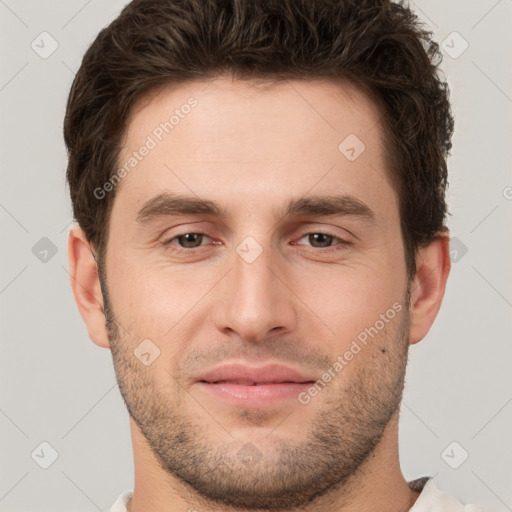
x: 254, y: 299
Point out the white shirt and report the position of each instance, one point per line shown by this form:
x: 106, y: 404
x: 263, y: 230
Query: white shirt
x: 431, y: 499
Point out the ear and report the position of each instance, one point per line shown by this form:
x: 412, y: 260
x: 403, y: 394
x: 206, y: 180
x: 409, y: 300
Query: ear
x: 427, y: 289
x: 86, y: 287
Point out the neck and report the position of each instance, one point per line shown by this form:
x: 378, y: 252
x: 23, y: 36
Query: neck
x: 378, y: 484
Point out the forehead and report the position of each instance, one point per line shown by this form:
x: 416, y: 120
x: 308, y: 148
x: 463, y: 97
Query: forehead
x: 227, y: 136
x: 331, y: 104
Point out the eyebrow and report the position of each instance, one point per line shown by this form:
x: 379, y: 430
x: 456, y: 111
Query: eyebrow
x: 167, y: 204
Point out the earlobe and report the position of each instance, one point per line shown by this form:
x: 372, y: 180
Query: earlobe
x: 428, y: 286
x: 86, y: 287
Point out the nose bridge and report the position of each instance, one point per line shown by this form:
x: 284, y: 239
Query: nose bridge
x: 255, y: 300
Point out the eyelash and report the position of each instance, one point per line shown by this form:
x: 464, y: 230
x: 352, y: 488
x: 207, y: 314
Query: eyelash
x: 180, y: 250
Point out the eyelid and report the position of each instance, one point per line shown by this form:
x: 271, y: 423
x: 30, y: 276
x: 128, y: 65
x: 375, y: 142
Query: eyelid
x: 176, y: 249
x: 327, y: 231
x: 341, y: 241
x: 167, y: 241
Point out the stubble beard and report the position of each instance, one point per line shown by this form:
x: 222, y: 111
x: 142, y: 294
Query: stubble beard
x: 277, y: 474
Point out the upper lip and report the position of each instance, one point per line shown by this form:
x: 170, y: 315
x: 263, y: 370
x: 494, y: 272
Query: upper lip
x: 270, y: 373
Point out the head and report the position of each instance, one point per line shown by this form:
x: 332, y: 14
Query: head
x: 288, y: 208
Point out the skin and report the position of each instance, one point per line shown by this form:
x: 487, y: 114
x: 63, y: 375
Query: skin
x: 252, y: 149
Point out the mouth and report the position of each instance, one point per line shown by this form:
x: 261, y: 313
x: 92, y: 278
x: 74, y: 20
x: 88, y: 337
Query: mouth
x: 250, y: 383
x: 246, y: 386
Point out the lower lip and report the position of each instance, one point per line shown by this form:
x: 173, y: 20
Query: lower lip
x: 254, y: 396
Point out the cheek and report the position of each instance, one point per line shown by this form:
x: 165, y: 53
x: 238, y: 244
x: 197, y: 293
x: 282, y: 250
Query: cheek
x: 156, y: 298
x: 337, y: 301
x: 348, y: 299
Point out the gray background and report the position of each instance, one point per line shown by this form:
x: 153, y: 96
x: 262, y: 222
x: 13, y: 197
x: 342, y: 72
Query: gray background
x: 58, y: 387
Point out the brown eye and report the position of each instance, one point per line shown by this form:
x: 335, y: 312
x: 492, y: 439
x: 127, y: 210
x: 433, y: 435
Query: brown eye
x: 190, y: 240
x: 186, y: 243
x: 321, y: 240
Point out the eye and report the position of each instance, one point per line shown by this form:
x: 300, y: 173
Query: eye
x: 192, y: 242
x: 186, y: 242
x: 321, y: 240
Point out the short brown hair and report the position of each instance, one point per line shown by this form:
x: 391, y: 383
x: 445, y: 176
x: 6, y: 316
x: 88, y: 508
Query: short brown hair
x: 377, y: 44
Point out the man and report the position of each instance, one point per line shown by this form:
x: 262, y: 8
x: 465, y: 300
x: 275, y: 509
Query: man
x: 259, y: 189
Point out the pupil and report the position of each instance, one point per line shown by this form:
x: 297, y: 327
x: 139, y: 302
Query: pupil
x: 315, y: 238
x: 189, y: 239
x: 324, y: 239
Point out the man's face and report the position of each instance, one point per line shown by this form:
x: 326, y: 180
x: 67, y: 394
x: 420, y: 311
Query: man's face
x: 258, y: 287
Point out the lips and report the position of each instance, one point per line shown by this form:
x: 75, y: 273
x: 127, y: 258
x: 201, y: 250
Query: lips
x: 241, y: 383
x: 254, y: 376
x: 246, y: 386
